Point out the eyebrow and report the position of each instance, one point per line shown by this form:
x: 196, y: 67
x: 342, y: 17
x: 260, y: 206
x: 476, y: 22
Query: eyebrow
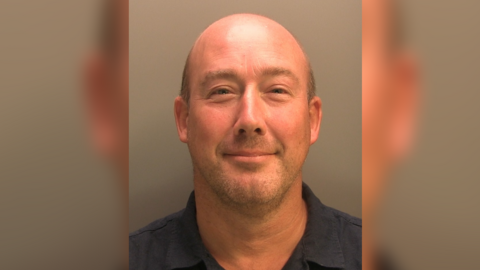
x: 219, y: 74
x: 278, y: 71
x: 233, y: 75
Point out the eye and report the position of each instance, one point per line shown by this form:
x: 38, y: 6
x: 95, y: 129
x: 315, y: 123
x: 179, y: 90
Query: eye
x: 278, y: 91
x: 221, y: 91
x: 221, y: 94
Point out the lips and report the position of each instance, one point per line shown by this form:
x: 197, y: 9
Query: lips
x: 249, y: 156
x: 249, y: 153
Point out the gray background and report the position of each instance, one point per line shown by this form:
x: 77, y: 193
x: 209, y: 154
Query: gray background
x: 60, y: 204
x: 162, y: 33
x: 432, y: 211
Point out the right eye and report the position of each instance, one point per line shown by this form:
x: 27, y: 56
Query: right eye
x: 221, y: 94
x: 221, y: 91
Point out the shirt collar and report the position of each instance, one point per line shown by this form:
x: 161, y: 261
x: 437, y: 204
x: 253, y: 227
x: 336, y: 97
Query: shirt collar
x: 186, y: 249
x: 320, y: 241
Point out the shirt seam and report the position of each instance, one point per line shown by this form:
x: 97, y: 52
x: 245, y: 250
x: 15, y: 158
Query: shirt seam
x: 150, y: 230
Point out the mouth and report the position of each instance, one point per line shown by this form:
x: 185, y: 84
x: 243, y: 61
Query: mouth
x: 249, y: 156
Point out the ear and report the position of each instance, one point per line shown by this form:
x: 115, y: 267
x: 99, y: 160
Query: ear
x: 101, y: 115
x: 405, y: 101
x: 315, y: 113
x: 181, y: 118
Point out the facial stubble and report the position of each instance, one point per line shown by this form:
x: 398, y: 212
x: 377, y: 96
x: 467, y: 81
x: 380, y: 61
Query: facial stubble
x: 256, y: 191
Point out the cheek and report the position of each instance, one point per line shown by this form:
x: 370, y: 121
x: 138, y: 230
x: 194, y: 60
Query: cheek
x: 291, y: 127
x: 207, y: 127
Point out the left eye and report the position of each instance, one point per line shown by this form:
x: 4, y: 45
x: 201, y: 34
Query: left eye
x: 222, y: 92
x: 278, y: 91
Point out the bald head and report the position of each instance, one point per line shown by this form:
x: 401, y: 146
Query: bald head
x: 244, y: 37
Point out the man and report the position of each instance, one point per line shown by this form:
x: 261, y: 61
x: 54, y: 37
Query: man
x: 248, y: 113
x: 390, y: 96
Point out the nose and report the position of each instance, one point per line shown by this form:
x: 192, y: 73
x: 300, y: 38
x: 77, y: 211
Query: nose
x: 251, y: 115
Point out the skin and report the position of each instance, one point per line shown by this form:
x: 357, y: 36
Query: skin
x: 248, y: 126
x: 390, y: 95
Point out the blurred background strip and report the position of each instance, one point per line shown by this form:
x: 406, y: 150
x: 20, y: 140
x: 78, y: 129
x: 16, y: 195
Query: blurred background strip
x: 421, y: 130
x: 64, y: 131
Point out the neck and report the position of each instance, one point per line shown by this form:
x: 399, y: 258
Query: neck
x: 240, y: 240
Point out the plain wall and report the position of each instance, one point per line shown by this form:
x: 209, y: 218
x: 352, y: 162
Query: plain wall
x: 431, y: 216
x: 161, y: 35
x: 60, y: 205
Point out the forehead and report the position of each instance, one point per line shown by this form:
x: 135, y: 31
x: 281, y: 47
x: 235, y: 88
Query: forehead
x: 247, y: 47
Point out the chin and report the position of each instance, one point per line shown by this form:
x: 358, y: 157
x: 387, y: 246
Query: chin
x: 253, y: 189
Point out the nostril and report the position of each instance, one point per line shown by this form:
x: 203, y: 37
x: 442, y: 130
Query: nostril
x: 244, y: 131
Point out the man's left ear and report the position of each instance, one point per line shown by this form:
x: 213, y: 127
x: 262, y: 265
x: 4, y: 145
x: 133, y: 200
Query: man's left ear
x: 315, y: 113
x: 181, y: 118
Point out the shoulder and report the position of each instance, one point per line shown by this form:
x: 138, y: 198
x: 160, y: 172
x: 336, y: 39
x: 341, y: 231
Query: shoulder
x: 152, y: 240
x: 349, y: 233
x: 157, y: 226
x: 332, y: 219
x: 345, y: 219
x: 349, y: 228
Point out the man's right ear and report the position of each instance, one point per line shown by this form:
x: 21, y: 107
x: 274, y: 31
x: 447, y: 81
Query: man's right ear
x: 181, y: 118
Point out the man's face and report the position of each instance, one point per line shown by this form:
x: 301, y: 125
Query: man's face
x: 249, y: 123
x: 389, y: 100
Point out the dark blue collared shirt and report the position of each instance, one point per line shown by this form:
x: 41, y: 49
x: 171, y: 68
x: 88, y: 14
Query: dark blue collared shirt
x: 332, y: 239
